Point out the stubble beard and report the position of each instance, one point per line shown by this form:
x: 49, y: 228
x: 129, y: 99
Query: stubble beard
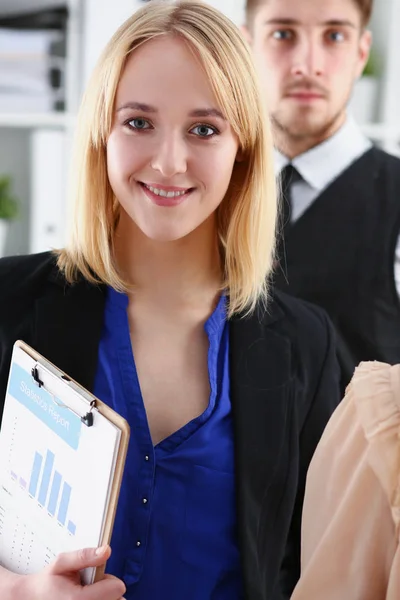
x: 304, y: 128
x: 301, y: 128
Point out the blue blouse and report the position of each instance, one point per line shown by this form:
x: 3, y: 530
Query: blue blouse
x: 175, y: 530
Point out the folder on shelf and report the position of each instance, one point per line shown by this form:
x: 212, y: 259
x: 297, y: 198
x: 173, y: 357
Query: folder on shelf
x: 33, y: 47
x: 62, y: 455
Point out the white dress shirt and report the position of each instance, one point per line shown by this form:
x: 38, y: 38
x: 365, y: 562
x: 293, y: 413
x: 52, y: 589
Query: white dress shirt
x: 321, y: 165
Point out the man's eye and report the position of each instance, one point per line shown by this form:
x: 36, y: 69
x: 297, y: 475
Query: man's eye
x: 336, y: 36
x: 283, y: 34
x: 204, y: 130
x: 139, y: 123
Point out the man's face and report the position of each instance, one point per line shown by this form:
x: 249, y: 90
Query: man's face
x: 309, y: 53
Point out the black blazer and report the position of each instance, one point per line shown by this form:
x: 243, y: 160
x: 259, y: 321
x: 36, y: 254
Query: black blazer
x: 284, y: 387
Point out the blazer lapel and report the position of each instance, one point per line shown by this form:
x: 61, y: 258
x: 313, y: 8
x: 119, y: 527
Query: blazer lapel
x: 261, y: 374
x: 68, y: 327
x: 260, y: 366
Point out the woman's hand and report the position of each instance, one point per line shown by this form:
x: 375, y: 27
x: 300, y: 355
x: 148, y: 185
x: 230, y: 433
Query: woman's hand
x: 61, y: 579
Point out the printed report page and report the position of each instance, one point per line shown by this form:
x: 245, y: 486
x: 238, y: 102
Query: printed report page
x: 55, y: 472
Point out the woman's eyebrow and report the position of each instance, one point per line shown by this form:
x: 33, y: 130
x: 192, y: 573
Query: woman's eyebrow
x: 138, y: 106
x: 147, y: 108
x: 207, y: 112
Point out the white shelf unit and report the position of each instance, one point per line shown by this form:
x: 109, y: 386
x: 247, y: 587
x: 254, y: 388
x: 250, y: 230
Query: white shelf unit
x: 34, y: 147
x: 53, y: 120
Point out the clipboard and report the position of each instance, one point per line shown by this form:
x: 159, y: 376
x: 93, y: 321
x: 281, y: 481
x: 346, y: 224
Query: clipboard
x: 59, y: 447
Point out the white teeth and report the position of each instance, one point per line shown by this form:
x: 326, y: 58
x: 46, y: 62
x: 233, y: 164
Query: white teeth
x: 164, y: 193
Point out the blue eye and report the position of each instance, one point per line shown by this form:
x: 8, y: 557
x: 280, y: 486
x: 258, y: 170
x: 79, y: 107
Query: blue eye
x: 139, y: 123
x: 336, y: 36
x: 204, y: 131
x: 283, y: 34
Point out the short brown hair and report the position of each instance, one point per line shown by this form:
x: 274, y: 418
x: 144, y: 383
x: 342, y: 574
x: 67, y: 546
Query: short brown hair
x: 365, y: 7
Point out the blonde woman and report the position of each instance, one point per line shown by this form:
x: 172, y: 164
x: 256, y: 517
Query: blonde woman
x: 160, y: 304
x: 351, y: 526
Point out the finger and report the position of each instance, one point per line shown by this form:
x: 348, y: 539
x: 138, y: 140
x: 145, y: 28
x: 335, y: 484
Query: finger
x: 109, y: 576
x: 110, y: 587
x: 68, y: 562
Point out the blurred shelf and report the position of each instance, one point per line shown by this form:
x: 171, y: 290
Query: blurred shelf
x: 382, y: 131
x: 11, y: 7
x: 58, y: 120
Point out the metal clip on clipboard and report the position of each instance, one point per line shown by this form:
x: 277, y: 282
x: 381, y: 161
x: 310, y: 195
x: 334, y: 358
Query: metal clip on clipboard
x: 87, y: 419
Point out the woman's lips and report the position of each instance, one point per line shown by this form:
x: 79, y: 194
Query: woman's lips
x: 161, y: 199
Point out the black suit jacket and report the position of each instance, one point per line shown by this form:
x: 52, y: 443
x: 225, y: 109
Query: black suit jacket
x: 284, y: 387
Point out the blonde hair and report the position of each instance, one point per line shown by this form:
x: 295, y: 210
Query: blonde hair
x: 246, y: 217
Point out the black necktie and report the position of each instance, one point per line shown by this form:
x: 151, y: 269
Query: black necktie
x: 289, y: 175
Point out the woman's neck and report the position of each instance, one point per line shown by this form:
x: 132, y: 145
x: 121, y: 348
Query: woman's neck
x: 185, y: 272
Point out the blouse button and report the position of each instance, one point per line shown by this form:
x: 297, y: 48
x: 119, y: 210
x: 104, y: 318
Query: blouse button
x: 144, y: 500
x: 138, y: 543
x: 146, y: 457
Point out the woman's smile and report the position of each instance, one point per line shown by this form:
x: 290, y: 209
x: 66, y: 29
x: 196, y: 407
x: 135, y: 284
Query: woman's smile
x: 166, y: 196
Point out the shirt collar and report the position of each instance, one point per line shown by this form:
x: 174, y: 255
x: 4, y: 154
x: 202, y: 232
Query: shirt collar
x: 324, y: 163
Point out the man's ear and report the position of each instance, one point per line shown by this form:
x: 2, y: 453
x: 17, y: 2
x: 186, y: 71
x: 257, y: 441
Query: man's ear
x: 364, y: 51
x: 246, y: 34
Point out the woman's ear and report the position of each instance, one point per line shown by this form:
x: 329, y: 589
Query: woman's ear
x: 239, y: 156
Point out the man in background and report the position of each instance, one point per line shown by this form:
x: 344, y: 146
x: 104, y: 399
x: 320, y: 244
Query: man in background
x: 340, y: 241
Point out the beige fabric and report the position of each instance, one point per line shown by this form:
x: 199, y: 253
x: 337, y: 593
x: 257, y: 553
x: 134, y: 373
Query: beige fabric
x: 351, y: 517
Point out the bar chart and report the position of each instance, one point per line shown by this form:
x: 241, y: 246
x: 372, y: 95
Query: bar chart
x: 46, y: 485
x: 55, y: 473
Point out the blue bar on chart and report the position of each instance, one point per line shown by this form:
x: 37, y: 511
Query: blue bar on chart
x: 71, y: 527
x: 22, y: 482
x: 44, y: 486
x: 37, y: 465
x: 63, y: 509
x: 55, y: 490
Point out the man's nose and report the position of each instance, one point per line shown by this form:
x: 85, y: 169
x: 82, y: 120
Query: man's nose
x: 308, y: 59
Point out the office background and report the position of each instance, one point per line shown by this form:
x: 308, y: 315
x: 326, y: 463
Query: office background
x: 47, y: 51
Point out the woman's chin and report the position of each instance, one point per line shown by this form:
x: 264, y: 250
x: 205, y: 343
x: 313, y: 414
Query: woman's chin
x: 166, y: 234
